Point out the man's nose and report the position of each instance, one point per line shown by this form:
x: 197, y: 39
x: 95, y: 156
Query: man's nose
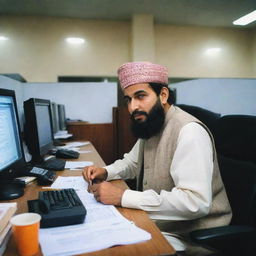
x: 134, y: 105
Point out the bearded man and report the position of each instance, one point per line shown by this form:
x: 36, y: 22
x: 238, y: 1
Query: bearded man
x: 174, y: 160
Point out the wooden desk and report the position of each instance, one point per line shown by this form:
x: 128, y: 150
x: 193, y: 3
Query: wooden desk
x: 158, y: 245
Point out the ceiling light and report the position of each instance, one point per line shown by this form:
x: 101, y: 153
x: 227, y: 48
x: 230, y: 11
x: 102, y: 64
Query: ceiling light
x: 212, y: 51
x: 75, y: 40
x: 246, y: 19
x: 3, y: 38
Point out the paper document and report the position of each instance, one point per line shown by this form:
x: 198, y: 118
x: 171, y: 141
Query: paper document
x: 75, y: 182
x: 75, y: 144
x: 77, y: 164
x: 84, y: 151
x: 63, y: 136
x: 104, y: 226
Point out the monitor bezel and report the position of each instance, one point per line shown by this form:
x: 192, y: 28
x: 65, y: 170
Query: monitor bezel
x: 31, y: 129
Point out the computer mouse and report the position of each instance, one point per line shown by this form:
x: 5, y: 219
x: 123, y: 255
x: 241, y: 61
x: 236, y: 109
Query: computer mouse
x: 9, y: 191
x: 67, y: 154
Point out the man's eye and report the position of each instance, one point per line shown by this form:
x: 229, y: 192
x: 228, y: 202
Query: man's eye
x: 141, y: 96
x: 127, y: 100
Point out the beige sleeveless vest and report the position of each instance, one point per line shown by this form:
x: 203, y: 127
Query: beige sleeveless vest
x: 158, y: 155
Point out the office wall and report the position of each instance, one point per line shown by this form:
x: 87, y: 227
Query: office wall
x: 224, y: 96
x: 184, y: 51
x: 36, y: 48
x: 38, y: 52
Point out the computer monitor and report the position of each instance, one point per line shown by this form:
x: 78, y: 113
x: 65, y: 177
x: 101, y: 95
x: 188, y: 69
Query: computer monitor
x: 11, y: 152
x: 62, y: 117
x: 38, y: 128
x: 55, y: 117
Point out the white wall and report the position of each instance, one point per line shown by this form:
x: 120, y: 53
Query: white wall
x: 224, y: 96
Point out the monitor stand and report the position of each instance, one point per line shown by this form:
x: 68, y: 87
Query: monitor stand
x: 9, y: 191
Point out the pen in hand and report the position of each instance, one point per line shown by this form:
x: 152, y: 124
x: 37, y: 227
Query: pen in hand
x: 89, y: 186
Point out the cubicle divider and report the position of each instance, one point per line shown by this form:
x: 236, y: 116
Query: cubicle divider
x: 101, y: 136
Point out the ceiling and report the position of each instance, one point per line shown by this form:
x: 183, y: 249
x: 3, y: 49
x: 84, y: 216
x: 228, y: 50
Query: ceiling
x: 214, y: 13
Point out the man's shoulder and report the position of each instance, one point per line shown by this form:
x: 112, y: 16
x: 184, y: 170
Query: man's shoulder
x: 178, y: 117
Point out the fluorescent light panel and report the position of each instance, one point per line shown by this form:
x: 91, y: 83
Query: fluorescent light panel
x: 212, y: 51
x: 75, y: 40
x: 3, y: 38
x: 250, y: 17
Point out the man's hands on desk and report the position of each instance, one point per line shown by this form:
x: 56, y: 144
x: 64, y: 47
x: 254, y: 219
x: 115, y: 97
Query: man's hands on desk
x: 103, y: 191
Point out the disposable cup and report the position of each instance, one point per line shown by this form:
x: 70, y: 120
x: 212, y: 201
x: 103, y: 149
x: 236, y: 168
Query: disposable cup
x: 25, y: 229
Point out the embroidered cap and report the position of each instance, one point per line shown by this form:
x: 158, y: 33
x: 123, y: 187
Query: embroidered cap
x: 142, y: 72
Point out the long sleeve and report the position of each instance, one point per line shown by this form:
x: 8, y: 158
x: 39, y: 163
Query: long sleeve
x: 191, y: 170
x: 126, y: 167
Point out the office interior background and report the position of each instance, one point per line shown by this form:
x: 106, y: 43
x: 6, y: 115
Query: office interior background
x: 211, y: 62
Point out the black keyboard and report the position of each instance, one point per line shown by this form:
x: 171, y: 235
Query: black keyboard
x: 53, y: 164
x: 58, y: 208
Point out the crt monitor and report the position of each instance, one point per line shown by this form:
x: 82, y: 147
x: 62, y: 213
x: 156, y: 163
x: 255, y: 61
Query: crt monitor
x: 62, y: 117
x: 55, y: 117
x: 11, y: 152
x: 38, y: 128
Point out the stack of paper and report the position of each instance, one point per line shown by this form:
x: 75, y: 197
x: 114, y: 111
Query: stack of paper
x: 104, y: 226
x: 7, y: 210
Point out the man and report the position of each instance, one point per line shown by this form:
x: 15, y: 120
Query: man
x: 174, y: 160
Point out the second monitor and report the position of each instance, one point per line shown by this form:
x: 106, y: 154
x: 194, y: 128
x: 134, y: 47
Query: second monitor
x: 62, y: 117
x: 39, y: 133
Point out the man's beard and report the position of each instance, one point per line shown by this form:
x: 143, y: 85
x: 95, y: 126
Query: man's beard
x: 153, y: 123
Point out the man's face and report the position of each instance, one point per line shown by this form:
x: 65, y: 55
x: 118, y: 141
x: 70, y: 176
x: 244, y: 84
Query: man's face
x: 146, y: 109
x: 140, y: 98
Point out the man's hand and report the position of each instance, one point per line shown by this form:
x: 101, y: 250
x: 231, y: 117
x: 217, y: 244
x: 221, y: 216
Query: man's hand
x: 107, y: 193
x: 93, y: 172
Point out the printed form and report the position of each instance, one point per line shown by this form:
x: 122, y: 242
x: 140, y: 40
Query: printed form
x: 104, y: 226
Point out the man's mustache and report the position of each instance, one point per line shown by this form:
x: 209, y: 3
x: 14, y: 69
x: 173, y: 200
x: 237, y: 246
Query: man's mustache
x: 137, y: 112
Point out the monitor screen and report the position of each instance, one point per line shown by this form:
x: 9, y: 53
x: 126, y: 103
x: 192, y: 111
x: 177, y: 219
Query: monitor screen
x: 11, y: 152
x: 43, y: 125
x: 62, y: 117
x: 10, y: 148
x: 55, y: 117
x: 38, y: 127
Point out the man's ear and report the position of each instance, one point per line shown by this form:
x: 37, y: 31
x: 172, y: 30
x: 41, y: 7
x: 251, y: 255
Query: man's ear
x: 164, y: 95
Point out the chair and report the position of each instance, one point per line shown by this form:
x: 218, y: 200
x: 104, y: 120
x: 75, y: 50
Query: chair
x: 208, y: 117
x: 236, y: 147
x: 235, y: 137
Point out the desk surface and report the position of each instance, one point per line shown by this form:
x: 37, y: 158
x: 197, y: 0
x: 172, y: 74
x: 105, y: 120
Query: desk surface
x: 156, y: 246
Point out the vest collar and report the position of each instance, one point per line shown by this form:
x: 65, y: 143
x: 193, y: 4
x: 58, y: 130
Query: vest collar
x: 169, y: 114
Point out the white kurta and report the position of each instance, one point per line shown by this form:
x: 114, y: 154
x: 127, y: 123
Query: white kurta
x: 191, y: 170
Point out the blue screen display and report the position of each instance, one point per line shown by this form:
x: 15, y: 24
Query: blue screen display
x: 10, y: 148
